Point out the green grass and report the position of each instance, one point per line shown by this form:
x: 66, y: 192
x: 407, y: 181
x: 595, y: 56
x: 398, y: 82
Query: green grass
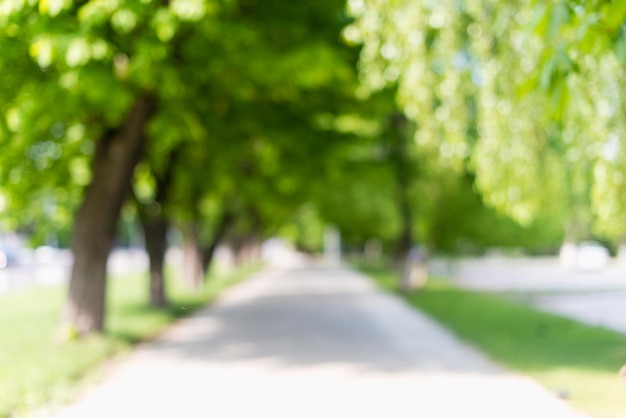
x: 37, y: 369
x: 559, y: 353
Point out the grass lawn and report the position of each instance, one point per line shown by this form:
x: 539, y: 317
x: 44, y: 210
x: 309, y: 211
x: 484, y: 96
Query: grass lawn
x: 36, y: 369
x: 563, y: 355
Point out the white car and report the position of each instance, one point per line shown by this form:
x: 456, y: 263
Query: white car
x: 7, y: 257
x: 591, y: 255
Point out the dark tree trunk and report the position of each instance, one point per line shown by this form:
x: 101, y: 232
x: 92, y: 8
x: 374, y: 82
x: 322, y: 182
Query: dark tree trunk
x: 240, y: 252
x: 192, y: 259
x: 246, y: 249
x: 252, y: 248
x: 249, y: 249
x: 400, y: 156
x: 406, y: 240
x: 117, y: 153
x: 208, y: 252
x: 155, y: 226
x: 155, y: 232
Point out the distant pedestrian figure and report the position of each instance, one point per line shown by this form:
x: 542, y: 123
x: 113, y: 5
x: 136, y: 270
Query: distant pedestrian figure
x: 622, y: 373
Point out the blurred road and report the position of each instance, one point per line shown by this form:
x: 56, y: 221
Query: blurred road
x: 605, y: 309
x: 312, y: 342
x: 45, y: 267
x: 500, y: 274
x: 593, y: 297
x: 48, y: 266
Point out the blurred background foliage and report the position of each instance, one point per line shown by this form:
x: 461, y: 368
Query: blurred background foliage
x: 525, y: 95
x: 457, y: 125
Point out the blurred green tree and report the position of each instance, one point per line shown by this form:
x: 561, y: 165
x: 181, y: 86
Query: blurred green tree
x: 527, y: 88
x: 94, y: 86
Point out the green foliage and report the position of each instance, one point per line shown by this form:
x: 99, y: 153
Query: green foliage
x: 361, y: 203
x: 305, y: 229
x: 459, y: 223
x: 240, y: 90
x: 251, y: 144
x: 529, y: 88
x: 74, y: 71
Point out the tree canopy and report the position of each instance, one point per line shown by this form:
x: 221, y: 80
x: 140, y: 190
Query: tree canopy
x: 239, y: 119
x: 222, y: 102
x: 530, y: 90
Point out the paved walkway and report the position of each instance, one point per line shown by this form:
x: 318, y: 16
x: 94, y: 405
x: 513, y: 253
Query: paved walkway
x: 312, y: 342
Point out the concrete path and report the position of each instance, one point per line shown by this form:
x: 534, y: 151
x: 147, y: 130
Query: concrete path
x: 312, y: 342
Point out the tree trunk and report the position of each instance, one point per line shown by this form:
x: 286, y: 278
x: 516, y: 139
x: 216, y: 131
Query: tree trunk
x: 209, y: 251
x: 406, y: 238
x: 155, y: 226
x: 155, y: 232
x: 192, y: 259
x: 400, y: 156
x: 252, y: 247
x: 207, y: 254
x: 240, y: 250
x: 246, y: 249
x: 116, y: 156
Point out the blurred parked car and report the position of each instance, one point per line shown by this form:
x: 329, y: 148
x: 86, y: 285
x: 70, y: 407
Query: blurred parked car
x: 591, y: 255
x: 585, y: 256
x: 8, y: 257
